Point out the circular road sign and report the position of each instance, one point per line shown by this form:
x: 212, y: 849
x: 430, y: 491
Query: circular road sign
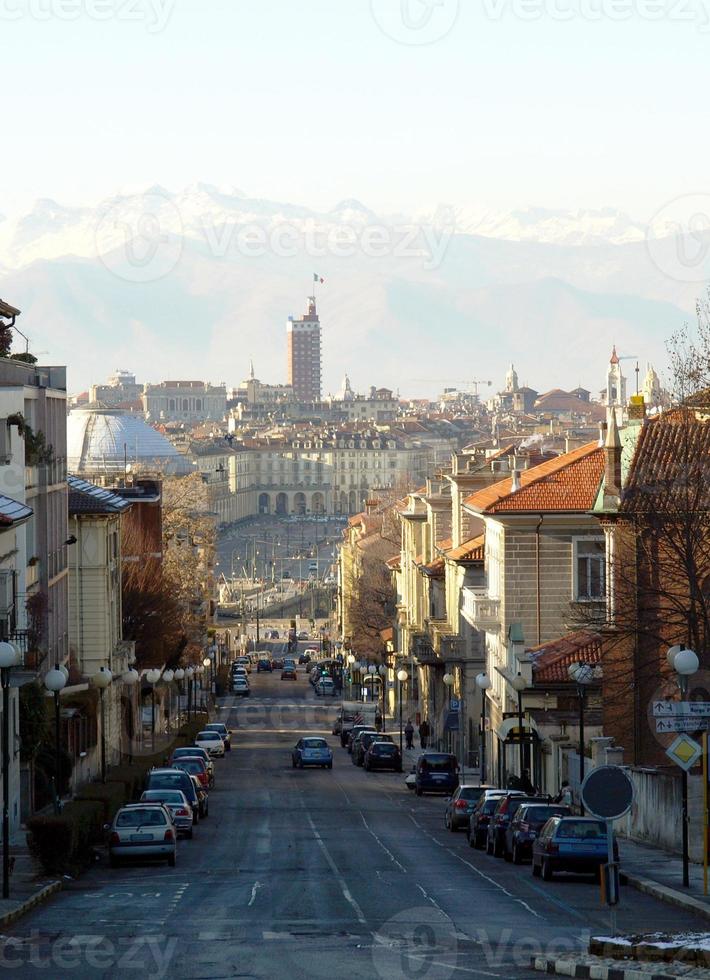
x: 607, y: 792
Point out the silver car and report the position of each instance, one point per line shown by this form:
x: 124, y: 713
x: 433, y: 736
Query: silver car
x: 178, y: 804
x: 142, y: 830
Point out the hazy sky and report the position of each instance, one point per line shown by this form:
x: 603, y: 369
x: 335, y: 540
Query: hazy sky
x: 557, y: 103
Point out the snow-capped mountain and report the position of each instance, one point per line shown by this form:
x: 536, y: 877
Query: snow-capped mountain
x: 192, y: 283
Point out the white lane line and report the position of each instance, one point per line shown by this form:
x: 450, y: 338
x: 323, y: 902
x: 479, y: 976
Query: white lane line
x: 430, y: 899
x: 387, y: 851
x: 254, y: 889
x: 338, y: 877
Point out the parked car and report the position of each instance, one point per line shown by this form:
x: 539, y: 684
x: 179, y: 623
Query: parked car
x: 352, y: 733
x: 354, y: 748
x: 178, y: 804
x: 325, y: 687
x: 240, y: 687
x: 311, y: 653
x: 480, y: 818
x: 175, y: 779
x: 312, y: 751
x: 195, y: 767
x: 571, y: 844
x: 263, y: 667
x: 304, y: 658
x: 437, y: 772
x: 277, y: 663
x: 211, y: 741
x: 382, y: 754
x: 188, y: 751
x: 495, y: 838
x: 243, y: 662
x: 302, y: 635
x: 239, y: 672
x: 526, y: 824
x: 142, y: 830
x: 288, y: 674
x: 460, y: 806
x: 203, y: 797
x: 364, y: 742
x: 224, y: 733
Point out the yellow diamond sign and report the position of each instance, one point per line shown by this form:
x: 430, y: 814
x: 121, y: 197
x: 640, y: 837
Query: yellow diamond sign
x: 684, y: 751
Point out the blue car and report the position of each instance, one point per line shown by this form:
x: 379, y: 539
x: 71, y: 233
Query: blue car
x: 312, y: 751
x: 436, y: 772
x: 571, y: 844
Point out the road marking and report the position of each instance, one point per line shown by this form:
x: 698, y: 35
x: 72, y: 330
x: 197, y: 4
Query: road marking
x: 387, y: 851
x: 339, y: 878
x: 430, y: 899
x: 254, y: 889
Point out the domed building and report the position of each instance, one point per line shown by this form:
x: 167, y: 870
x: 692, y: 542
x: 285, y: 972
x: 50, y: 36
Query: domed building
x: 101, y: 440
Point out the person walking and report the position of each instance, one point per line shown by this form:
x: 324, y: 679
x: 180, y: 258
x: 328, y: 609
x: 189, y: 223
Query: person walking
x: 565, y: 795
x: 409, y: 733
x: 424, y: 732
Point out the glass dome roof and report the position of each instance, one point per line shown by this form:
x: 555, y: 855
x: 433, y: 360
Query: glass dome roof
x: 102, y: 440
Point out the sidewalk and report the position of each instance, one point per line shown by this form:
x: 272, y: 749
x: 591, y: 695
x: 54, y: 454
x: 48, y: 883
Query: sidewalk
x: 660, y: 874
x: 28, y: 884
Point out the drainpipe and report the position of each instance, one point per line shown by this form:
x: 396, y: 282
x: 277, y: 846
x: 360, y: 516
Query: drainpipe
x: 537, y: 577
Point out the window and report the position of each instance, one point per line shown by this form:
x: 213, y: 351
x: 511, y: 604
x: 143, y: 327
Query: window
x: 590, y: 564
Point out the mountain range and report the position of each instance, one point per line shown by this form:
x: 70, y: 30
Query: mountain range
x: 194, y: 284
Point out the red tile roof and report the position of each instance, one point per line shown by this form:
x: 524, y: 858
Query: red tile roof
x: 551, y: 660
x: 394, y: 563
x: 566, y: 483
x: 472, y: 550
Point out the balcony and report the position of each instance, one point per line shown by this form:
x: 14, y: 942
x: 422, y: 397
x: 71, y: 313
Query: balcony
x: 482, y: 612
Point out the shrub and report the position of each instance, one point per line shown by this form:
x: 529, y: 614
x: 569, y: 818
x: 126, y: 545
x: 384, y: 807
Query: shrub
x: 63, y: 843
x: 111, y: 795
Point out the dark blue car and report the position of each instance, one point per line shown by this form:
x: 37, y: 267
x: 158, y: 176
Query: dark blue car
x: 436, y: 772
x: 570, y: 844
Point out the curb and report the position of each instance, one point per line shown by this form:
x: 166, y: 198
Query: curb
x: 595, y: 971
x: 668, y: 895
x: 41, y: 896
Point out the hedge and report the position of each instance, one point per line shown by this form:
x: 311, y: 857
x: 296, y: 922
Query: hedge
x: 111, y: 796
x: 63, y: 843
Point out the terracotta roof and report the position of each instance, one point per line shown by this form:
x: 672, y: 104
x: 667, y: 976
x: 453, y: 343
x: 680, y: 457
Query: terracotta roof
x: 551, y: 660
x: 444, y: 545
x: 472, y: 550
x: 435, y: 569
x: 566, y: 483
x: 394, y: 562
x: 387, y: 634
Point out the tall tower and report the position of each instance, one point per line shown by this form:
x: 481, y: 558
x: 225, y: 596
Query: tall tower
x: 615, y: 382
x: 304, y: 354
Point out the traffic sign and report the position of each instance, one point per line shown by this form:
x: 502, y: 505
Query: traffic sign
x: 454, y: 704
x: 695, y: 709
x: 684, y: 751
x: 681, y: 723
x: 607, y: 792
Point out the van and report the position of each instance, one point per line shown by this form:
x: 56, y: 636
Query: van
x: 436, y: 772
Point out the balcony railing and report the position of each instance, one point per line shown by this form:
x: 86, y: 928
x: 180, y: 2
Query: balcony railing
x: 480, y: 610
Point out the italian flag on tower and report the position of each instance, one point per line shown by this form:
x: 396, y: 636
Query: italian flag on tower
x: 317, y: 278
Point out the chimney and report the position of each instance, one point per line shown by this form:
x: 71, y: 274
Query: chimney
x: 637, y: 408
x: 612, y: 467
x: 515, y: 481
x: 602, y: 434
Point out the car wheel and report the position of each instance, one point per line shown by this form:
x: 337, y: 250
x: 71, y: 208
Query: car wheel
x: 446, y: 822
x: 195, y: 817
x: 418, y: 790
x: 546, y: 870
x: 113, y: 861
x: 452, y: 826
x: 535, y: 869
x: 507, y: 856
x: 330, y: 765
x: 300, y: 763
x: 171, y: 860
x: 489, y: 846
x: 516, y: 855
x: 189, y: 833
x: 497, y: 848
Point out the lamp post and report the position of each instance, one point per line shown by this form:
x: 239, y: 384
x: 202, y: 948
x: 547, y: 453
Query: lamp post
x: 351, y: 668
x: 371, y: 672
x: 101, y: 680
x: 8, y: 659
x: 189, y: 674
x: 168, y: 676
x: 55, y: 681
x: 582, y: 674
x: 179, y: 676
x: 382, y: 671
x: 130, y: 679
x: 684, y: 663
x: 483, y: 683
x: 402, y: 676
x: 449, y: 681
x: 519, y: 683
x: 207, y: 664
x: 153, y: 676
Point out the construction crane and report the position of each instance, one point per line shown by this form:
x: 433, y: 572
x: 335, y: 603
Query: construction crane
x: 450, y: 381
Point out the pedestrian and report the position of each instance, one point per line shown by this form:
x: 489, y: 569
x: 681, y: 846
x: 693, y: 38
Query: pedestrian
x: 378, y: 719
x: 565, y: 795
x: 409, y: 733
x: 424, y: 732
x: 525, y: 783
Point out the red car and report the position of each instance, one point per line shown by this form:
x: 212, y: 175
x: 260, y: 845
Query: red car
x: 195, y: 767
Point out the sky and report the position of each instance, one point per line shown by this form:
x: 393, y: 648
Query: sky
x: 403, y: 104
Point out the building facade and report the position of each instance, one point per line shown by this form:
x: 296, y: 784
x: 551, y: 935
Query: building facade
x: 303, y: 338
x: 184, y: 401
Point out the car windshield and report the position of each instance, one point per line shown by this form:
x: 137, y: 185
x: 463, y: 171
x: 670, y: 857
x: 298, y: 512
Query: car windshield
x: 137, y: 818
x: 192, y: 765
x: 438, y: 763
x: 315, y: 743
x: 490, y: 805
x: 168, y: 780
x: 164, y: 796
x: 383, y: 748
x: 219, y: 727
x: 585, y: 829
x: 208, y: 737
x: 538, y: 815
x: 470, y: 793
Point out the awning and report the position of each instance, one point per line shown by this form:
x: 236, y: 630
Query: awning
x: 510, y: 725
x: 451, y: 722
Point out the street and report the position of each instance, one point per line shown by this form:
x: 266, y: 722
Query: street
x: 266, y: 547
x: 315, y: 873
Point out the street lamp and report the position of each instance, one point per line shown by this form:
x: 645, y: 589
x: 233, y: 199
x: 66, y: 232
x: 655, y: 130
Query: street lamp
x: 207, y: 664
x: 8, y: 658
x: 189, y: 674
x: 55, y: 681
x: 449, y: 681
x: 684, y: 663
x: 402, y: 676
x: 382, y: 671
x: 179, y: 676
x: 130, y: 679
x: 168, y: 676
x: 483, y: 683
x: 152, y: 676
x: 101, y: 679
x: 582, y: 674
x: 519, y: 683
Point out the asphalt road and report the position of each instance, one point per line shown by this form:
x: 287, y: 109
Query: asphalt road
x: 313, y: 874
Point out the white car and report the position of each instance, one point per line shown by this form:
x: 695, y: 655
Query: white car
x: 240, y: 685
x: 311, y: 652
x: 325, y: 686
x: 211, y: 741
x: 243, y: 662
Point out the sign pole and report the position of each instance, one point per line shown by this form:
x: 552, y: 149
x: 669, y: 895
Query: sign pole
x: 705, y: 813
